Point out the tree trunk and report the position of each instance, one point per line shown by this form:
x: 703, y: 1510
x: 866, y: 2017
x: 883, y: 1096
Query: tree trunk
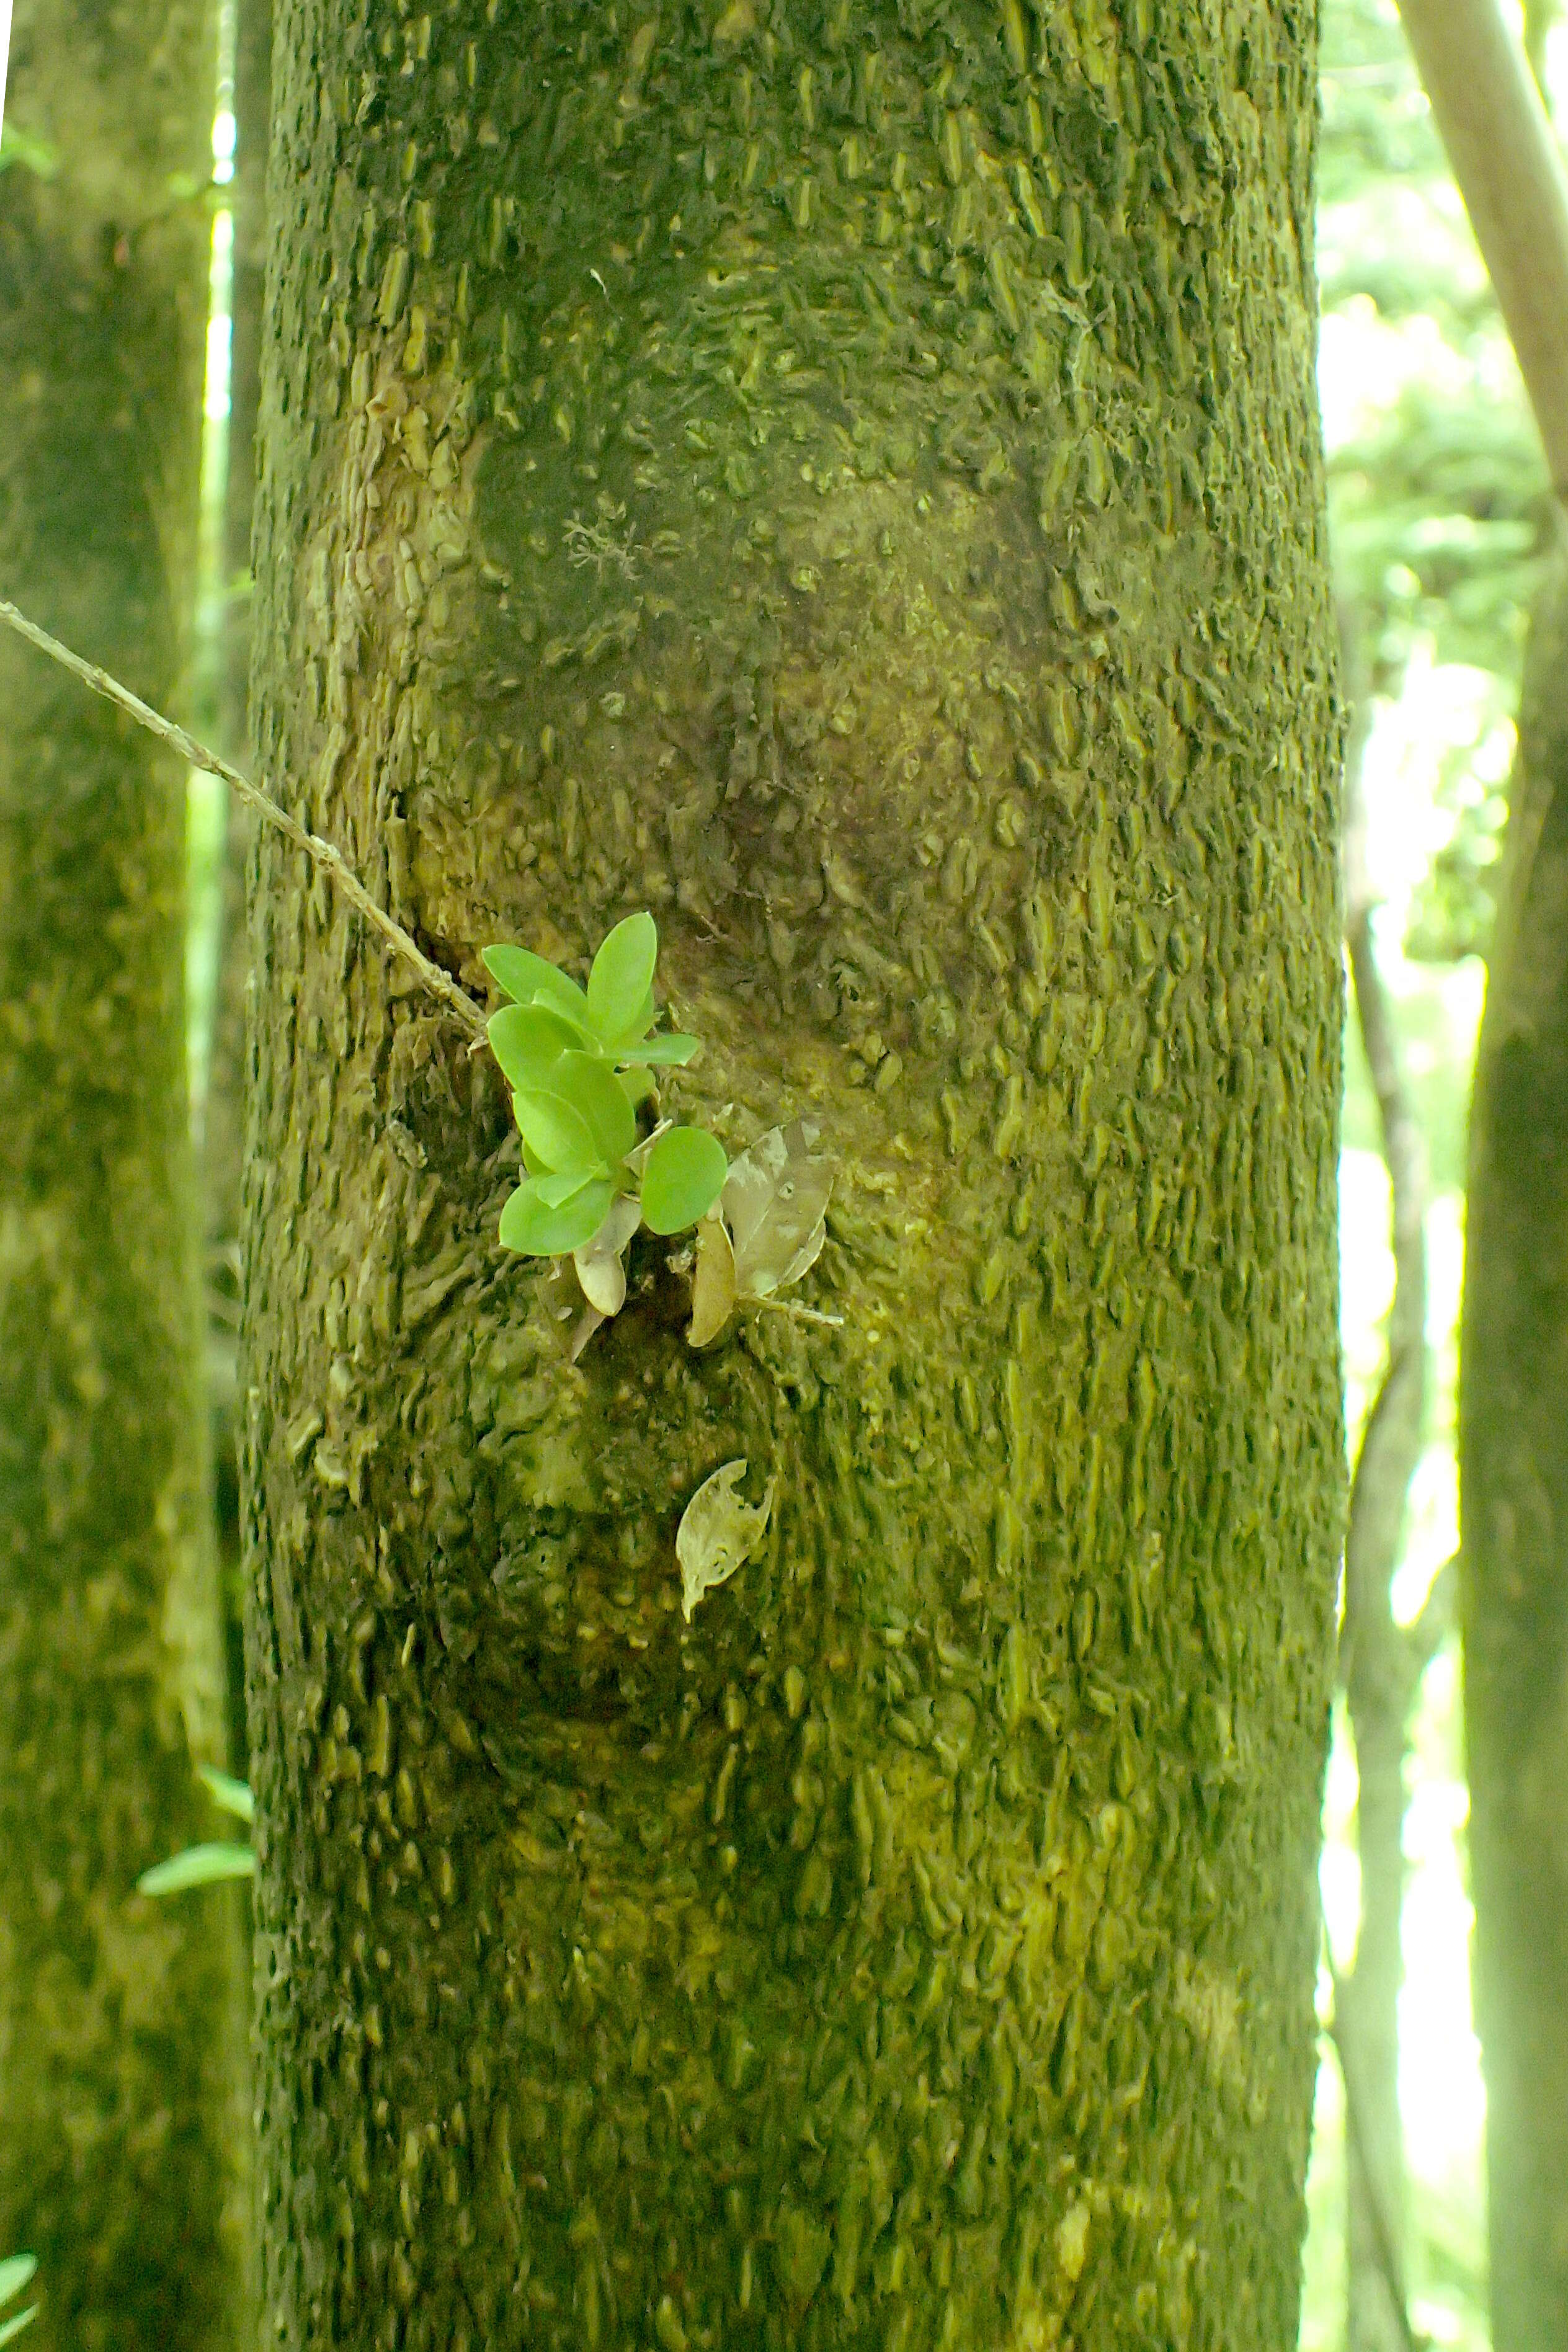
x: 223, y: 1125
x: 851, y: 483
x: 119, y: 2112
x: 1513, y: 1503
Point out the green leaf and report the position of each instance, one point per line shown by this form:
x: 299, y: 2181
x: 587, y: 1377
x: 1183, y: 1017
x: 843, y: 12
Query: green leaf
x: 622, y: 976
x: 669, y: 1051
x: 528, y: 1040
x: 230, y: 1795
x: 537, y: 1228
x: 597, y: 1095
x: 556, y: 1191
x: 527, y: 979
x: 636, y: 1084
x: 683, y: 1178
x: 198, y: 1866
x: 14, y: 2273
x: 14, y: 2327
x: 632, y: 1037
x: 556, y: 1131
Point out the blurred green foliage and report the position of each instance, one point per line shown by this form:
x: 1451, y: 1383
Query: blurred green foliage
x: 1439, y: 505
x: 1439, y: 516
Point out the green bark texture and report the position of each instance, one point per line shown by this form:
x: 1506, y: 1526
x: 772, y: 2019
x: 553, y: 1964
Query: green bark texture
x: 846, y: 476
x: 1514, y: 1504
x: 119, y: 2120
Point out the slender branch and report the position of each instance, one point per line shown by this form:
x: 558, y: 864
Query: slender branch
x: 1426, y: 1636
x: 1503, y: 156
x: 1391, y: 1441
x: 323, y: 853
x: 1383, y: 2239
x: 1377, y: 1662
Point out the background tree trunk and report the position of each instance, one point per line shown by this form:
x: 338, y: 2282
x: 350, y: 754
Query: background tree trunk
x: 224, y: 1124
x: 119, y: 2111
x: 1510, y: 175
x: 1514, y: 1496
x: 855, y: 490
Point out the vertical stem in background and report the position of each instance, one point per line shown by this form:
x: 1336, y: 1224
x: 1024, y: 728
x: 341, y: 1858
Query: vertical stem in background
x: 1513, y: 1511
x: 1377, y: 1662
x: 1539, y: 16
x: 1505, y: 160
x: 117, y: 2152
x: 1514, y: 1393
x: 221, y: 1133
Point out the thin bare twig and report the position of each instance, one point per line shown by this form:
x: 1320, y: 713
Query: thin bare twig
x: 1383, y: 2239
x: 323, y: 853
x: 1378, y: 1664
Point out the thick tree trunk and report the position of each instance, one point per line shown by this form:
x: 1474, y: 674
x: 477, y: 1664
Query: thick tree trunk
x: 848, y: 481
x: 1513, y: 1498
x: 117, y: 2112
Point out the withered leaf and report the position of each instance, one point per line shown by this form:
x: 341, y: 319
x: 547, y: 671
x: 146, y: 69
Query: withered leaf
x: 600, y: 1268
x: 773, y: 1202
x: 719, y: 1532
x: 713, y: 1283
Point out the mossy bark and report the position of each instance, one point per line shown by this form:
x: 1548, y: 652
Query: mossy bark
x: 1513, y: 1498
x: 847, y: 478
x: 118, y: 2121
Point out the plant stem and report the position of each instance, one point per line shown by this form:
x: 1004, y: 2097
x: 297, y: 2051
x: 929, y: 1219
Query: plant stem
x: 331, y: 861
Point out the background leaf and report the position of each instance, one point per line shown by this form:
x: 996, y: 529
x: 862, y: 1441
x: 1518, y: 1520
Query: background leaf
x: 14, y: 2273
x: 198, y: 1866
x: 622, y: 976
x: 683, y: 1178
x: 233, y: 1796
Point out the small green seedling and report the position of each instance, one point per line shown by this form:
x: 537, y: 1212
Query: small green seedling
x: 15, y: 2274
x: 204, y: 1865
x: 579, y: 1063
